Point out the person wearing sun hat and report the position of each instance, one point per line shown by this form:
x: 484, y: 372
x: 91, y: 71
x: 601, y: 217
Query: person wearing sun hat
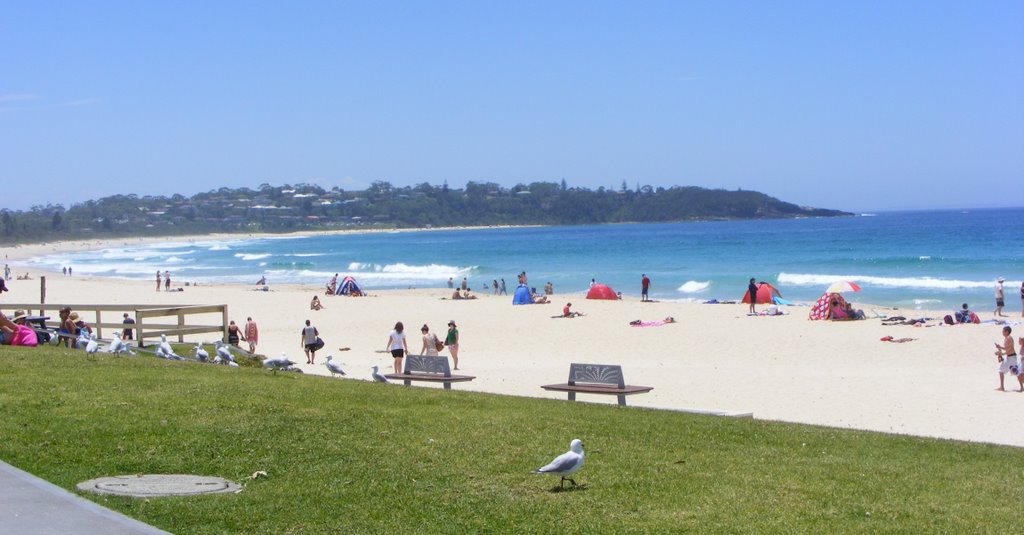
x: 452, y: 341
x: 999, y: 298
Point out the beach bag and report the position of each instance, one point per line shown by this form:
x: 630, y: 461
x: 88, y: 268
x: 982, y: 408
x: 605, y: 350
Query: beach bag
x: 319, y: 344
x: 948, y: 319
x: 438, y: 343
x: 24, y: 336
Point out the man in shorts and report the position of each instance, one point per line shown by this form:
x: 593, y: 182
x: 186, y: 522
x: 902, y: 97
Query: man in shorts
x: 1007, y: 357
x: 999, y: 299
x: 645, y: 285
x: 309, y: 343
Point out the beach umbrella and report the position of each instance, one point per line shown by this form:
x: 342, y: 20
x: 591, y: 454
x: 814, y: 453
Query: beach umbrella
x: 843, y: 286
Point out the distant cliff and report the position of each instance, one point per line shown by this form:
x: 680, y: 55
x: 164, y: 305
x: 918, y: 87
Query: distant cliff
x: 310, y: 207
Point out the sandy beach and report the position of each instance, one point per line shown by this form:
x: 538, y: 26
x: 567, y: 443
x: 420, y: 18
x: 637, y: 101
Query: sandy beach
x: 716, y: 358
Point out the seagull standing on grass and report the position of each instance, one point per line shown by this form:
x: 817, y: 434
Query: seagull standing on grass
x: 565, y: 464
x: 166, y: 349
x: 92, y: 346
x: 277, y: 363
x: 223, y: 353
x: 378, y: 377
x: 333, y: 367
x: 116, y: 345
x: 201, y: 354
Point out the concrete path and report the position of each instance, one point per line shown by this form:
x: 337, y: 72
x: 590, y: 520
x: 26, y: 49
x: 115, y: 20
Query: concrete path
x: 31, y: 506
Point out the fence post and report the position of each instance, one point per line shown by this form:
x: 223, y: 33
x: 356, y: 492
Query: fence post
x: 99, y: 330
x: 224, y: 335
x: 181, y: 323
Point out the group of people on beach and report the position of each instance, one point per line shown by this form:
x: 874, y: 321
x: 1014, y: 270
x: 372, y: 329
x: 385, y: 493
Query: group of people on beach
x: 398, y: 346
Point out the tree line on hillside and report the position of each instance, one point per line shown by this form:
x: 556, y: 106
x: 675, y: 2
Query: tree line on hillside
x: 310, y: 207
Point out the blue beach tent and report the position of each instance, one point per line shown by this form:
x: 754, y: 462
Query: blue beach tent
x: 522, y: 296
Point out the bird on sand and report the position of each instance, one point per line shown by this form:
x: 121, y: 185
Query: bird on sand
x: 92, y: 345
x: 200, y: 353
x: 378, y: 377
x: 565, y: 464
x: 333, y: 367
x: 277, y: 363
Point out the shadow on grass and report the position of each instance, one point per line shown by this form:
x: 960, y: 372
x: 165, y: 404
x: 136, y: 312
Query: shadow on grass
x: 573, y: 488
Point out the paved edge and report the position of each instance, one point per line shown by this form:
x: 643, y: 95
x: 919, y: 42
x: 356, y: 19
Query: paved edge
x: 58, y: 493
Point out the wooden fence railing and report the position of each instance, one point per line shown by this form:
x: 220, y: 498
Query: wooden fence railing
x: 145, y: 326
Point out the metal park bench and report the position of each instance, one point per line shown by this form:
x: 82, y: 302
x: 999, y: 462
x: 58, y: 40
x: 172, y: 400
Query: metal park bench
x: 428, y: 368
x: 597, y: 379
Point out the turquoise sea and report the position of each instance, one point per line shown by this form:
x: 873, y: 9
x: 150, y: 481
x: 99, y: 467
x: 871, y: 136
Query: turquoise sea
x: 925, y: 259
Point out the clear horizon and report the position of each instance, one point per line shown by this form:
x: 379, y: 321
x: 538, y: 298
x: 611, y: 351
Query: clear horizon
x: 863, y: 108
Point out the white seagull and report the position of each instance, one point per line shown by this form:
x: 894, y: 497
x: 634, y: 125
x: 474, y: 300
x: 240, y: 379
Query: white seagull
x: 378, y: 377
x: 333, y: 367
x: 92, y: 346
x: 116, y: 345
x: 165, y: 350
x: 565, y: 464
x: 277, y: 363
x: 200, y: 353
x: 223, y: 353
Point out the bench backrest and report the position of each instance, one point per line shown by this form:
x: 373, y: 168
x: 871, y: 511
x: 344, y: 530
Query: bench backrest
x: 601, y: 374
x: 427, y: 364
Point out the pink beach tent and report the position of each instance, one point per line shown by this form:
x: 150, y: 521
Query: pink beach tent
x: 601, y: 291
x: 820, y: 309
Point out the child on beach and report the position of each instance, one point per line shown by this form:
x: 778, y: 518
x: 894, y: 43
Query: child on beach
x: 1007, y: 357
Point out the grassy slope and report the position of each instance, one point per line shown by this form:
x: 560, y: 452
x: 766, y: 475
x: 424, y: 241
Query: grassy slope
x: 367, y: 457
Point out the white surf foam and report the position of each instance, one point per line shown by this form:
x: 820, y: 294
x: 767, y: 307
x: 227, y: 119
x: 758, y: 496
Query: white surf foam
x: 927, y: 283
x: 692, y: 287
x: 251, y: 256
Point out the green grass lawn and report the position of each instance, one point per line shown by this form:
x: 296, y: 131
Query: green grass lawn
x: 361, y: 457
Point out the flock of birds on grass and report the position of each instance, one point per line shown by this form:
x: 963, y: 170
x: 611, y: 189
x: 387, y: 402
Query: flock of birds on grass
x: 564, y: 465
x: 222, y: 355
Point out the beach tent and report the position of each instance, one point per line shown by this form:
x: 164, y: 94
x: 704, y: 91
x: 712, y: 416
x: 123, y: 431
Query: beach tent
x: 522, y: 296
x: 766, y: 294
x: 349, y: 287
x: 820, y: 309
x: 600, y: 291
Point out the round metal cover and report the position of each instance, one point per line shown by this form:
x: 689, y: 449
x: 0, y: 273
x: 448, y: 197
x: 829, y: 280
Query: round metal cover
x: 152, y: 485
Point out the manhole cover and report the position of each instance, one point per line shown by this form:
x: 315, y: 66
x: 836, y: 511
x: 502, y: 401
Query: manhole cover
x: 150, y: 485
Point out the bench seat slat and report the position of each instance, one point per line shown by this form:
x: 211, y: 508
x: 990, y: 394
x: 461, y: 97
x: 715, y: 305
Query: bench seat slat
x: 598, y: 389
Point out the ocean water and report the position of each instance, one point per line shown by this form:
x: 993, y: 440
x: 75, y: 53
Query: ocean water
x: 930, y: 259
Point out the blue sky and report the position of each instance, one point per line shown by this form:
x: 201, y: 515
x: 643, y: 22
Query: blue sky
x: 851, y: 105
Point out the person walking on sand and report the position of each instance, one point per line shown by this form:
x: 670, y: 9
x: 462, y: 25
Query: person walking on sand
x: 252, y: 334
x: 752, y: 290
x: 167, y: 281
x: 398, y: 346
x: 158, y: 280
x: 309, y: 345
x: 503, y: 292
x: 645, y: 284
x: 452, y: 341
x: 494, y: 283
x: 429, y: 342
x: 1007, y: 357
x: 999, y: 298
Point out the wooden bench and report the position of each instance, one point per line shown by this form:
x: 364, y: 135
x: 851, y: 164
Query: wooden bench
x: 597, y: 379
x: 428, y: 368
